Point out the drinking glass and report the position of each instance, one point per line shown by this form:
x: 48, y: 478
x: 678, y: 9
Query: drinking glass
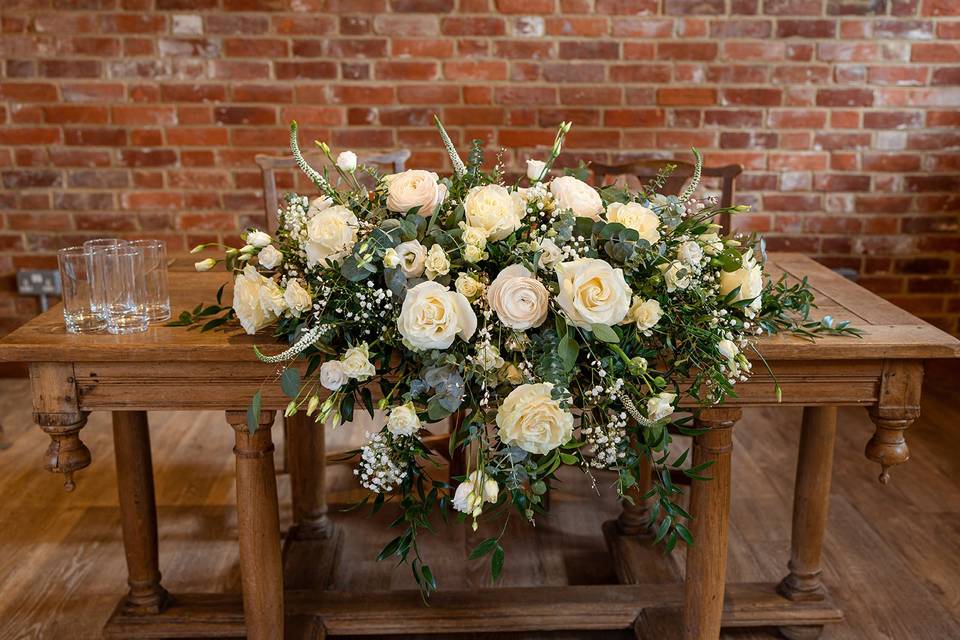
x: 119, y: 275
x: 157, y: 297
x: 78, y: 312
x: 93, y: 248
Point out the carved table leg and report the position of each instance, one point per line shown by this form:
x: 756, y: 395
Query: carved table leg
x: 258, y: 522
x: 710, y: 508
x: 810, y: 505
x: 138, y: 511
x: 307, y: 460
x: 896, y: 409
x: 66, y: 453
x: 635, y: 519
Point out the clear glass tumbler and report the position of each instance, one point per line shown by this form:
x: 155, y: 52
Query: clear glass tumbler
x: 78, y: 297
x: 119, y: 276
x: 157, y: 296
x: 93, y: 248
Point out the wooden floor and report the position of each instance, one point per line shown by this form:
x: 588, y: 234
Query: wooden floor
x: 892, y: 553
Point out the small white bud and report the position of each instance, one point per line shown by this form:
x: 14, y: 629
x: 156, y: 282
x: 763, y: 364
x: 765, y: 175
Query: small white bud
x: 205, y: 265
x: 347, y: 161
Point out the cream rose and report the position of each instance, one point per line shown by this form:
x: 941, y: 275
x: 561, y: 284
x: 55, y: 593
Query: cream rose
x: 472, y: 253
x: 331, y: 234
x: 519, y: 300
x: 332, y: 375
x: 749, y: 278
x: 676, y: 275
x: 412, y: 256
x: 297, y: 298
x: 530, y: 419
x: 660, y: 406
x: 403, y: 420
x: 644, y: 313
x: 690, y: 253
x: 470, y: 287
x: 473, y: 236
x: 269, y: 257
x: 578, y: 196
x: 356, y: 362
x: 494, y: 210
x: 271, y: 297
x: 415, y: 188
x: 432, y: 316
x: 246, y: 301
x: 258, y: 239
x: 551, y: 253
x: 634, y: 215
x: 437, y: 263
x: 592, y: 292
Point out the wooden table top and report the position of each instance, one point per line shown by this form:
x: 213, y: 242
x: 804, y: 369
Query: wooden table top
x: 890, y: 332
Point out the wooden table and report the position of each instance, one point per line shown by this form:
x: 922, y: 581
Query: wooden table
x: 174, y: 369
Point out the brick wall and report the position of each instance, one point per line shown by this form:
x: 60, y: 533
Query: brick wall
x: 142, y: 117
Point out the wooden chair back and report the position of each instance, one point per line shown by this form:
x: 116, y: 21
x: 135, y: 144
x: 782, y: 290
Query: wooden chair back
x: 393, y: 161
x: 645, y: 170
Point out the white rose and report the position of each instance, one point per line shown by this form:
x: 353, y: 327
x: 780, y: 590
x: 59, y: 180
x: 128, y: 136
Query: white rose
x: 473, y: 236
x: 332, y: 375
x: 258, y: 239
x: 271, y: 297
x: 519, y: 300
x: 535, y: 169
x: 205, y: 265
x: 676, y: 275
x: 331, y: 234
x: 347, y: 161
x: 690, y: 252
x: 246, y: 301
x: 749, y: 278
x: 578, y: 196
x: 432, y: 316
x: 488, y: 357
x: 660, y: 406
x: 270, y: 257
x: 494, y: 210
x: 472, y: 253
x: 551, y: 253
x: 391, y: 259
x: 318, y: 204
x: 297, y: 298
x: 436, y: 263
x: 470, y: 287
x: 592, y: 292
x: 412, y: 255
x: 530, y: 419
x: 403, y: 420
x: 644, y: 313
x: 634, y: 215
x: 356, y: 362
x: 415, y: 188
x: 473, y: 492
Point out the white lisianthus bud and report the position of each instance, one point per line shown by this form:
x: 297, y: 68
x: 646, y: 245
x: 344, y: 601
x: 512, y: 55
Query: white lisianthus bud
x: 332, y: 375
x: 347, y: 161
x: 269, y: 257
x: 258, y: 239
x: 205, y: 265
x: 535, y: 169
x: 313, y: 404
x: 391, y: 259
x: 198, y: 248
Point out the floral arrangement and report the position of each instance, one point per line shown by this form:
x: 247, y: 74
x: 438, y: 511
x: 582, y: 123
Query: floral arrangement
x: 561, y: 323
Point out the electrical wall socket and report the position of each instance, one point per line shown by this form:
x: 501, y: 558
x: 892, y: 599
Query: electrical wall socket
x: 38, y: 282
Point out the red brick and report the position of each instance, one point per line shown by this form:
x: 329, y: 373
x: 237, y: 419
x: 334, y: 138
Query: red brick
x: 832, y: 182
x: 894, y: 162
x: 193, y: 92
x: 70, y: 68
x: 428, y: 94
x: 255, y: 48
x: 473, y: 116
x: 313, y: 116
x: 892, y: 119
x: 75, y: 114
x: 133, y: 23
x: 844, y: 97
x: 31, y: 179
x: 946, y: 76
x: 686, y: 50
x: 306, y: 25
x: 421, y: 6
x: 475, y: 70
x: 797, y: 119
x: 642, y: 73
x: 525, y: 95
x: 579, y: 73
x: 474, y: 26
x: 148, y: 157
x: 301, y: 70
x: 143, y: 115
x: 935, y: 52
x: 792, y: 7
x: 267, y: 93
x: 687, y: 96
x: 840, y: 141
x: 250, y: 70
x: 591, y: 95
x: 693, y: 7
x: 739, y: 51
x: 634, y: 118
x: 28, y: 92
x: 421, y: 48
x: 806, y: 28
x: 748, y: 140
x: 752, y: 97
x: 740, y: 28
x: 904, y: 75
x: 402, y: 70
x: 245, y: 115
x: 726, y: 74
x: 939, y: 8
x: 735, y: 118
x: 588, y: 26
x: 196, y: 136
x: 856, y: 7
x: 798, y: 162
x: 627, y: 7
x: 589, y: 50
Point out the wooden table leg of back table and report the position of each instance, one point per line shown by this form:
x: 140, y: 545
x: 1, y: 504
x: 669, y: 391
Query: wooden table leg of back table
x: 138, y: 512
x: 306, y: 461
x: 710, y: 507
x: 258, y: 523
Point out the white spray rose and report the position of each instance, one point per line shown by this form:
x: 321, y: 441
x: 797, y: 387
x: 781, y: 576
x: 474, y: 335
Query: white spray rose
x: 246, y: 301
x: 473, y: 492
x: 432, y: 316
x: 660, y: 406
x: 635, y: 216
x: 644, y: 313
x: 331, y: 234
x: 356, y: 362
x: 690, y: 252
x: 470, y: 287
x: 532, y: 420
x: 258, y: 239
x: 488, y: 357
x: 472, y: 253
x: 415, y: 188
x: 494, y: 210
x: 347, y: 161
x: 749, y: 278
x: 412, y: 255
x: 205, y: 265
x: 519, y: 300
x: 551, y: 253
x: 676, y: 275
x: 576, y: 195
x: 297, y: 298
x: 436, y: 263
x: 270, y: 257
x: 318, y: 204
x: 332, y: 375
x: 592, y: 292
x: 391, y: 259
x: 535, y: 169
x: 403, y: 420
x: 473, y: 236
